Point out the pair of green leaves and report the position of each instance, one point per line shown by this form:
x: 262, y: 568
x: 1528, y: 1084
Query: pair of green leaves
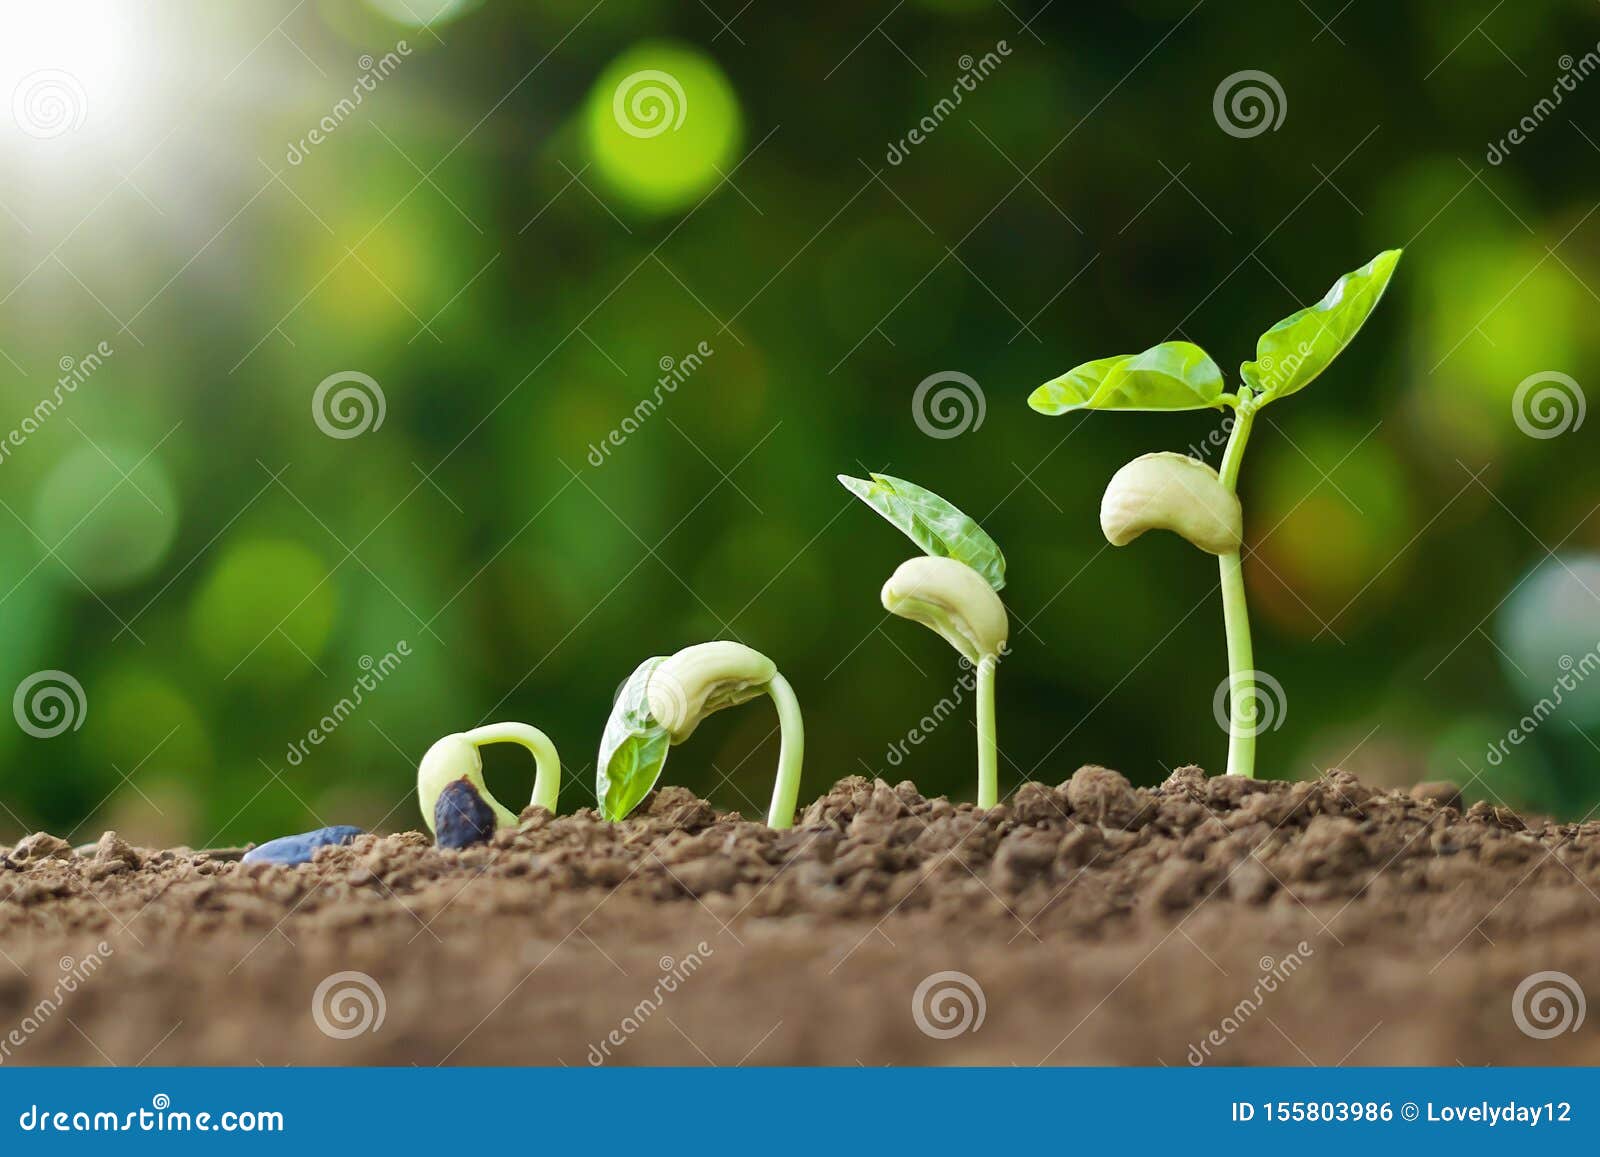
x: 633, y: 748
x: 932, y: 523
x: 1181, y: 376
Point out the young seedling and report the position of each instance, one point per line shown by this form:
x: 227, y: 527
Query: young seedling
x: 1184, y: 495
x: 951, y: 591
x: 665, y: 699
x: 454, y: 763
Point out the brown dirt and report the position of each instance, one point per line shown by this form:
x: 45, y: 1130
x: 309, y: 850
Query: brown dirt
x: 1300, y: 923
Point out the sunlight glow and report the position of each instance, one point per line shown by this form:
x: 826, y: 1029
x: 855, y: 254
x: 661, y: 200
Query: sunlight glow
x: 66, y: 66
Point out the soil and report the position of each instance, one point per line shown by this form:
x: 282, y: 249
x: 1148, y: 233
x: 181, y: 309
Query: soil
x: 1208, y: 920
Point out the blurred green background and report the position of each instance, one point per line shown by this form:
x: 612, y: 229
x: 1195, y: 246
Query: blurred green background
x: 515, y: 254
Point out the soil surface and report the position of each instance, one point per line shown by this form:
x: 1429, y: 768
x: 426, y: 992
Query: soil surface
x: 1208, y: 920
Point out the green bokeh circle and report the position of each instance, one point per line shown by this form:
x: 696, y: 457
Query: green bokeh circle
x: 110, y: 529
x: 659, y: 122
x: 264, y: 607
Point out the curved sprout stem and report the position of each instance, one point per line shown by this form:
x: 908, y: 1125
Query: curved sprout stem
x: 988, y: 778
x: 547, y: 764
x: 1235, y: 612
x: 791, y: 752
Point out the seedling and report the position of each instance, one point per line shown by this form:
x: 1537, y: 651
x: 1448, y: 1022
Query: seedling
x: 456, y: 757
x: 665, y: 699
x: 1184, y: 495
x: 952, y: 591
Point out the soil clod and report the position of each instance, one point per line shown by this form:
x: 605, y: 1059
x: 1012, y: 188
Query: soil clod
x: 1438, y: 791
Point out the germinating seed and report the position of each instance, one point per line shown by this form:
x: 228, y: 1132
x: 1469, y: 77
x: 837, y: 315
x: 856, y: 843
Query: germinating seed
x: 461, y: 818
x: 952, y: 591
x: 665, y: 699
x: 299, y: 849
x: 456, y: 757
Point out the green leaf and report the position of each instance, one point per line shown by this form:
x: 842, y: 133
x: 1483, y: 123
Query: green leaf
x: 1293, y: 352
x: 932, y: 523
x: 633, y: 748
x: 1175, y: 375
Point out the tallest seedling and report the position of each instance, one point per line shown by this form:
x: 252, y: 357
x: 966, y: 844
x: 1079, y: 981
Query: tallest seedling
x: 1184, y: 495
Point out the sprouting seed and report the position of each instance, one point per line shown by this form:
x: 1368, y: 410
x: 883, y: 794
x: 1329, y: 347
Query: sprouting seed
x: 456, y: 757
x: 663, y: 702
x: 951, y: 591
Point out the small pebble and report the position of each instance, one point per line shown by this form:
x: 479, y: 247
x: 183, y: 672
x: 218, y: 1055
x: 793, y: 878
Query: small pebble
x: 111, y: 856
x: 1440, y: 791
x: 228, y: 854
x: 460, y: 817
x: 299, y: 849
x: 114, y: 847
x: 41, y: 846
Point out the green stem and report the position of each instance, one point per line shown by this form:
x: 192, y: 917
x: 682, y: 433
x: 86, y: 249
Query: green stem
x: 988, y: 779
x: 1244, y: 417
x: 1241, y: 669
x: 1235, y: 612
x: 791, y: 752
